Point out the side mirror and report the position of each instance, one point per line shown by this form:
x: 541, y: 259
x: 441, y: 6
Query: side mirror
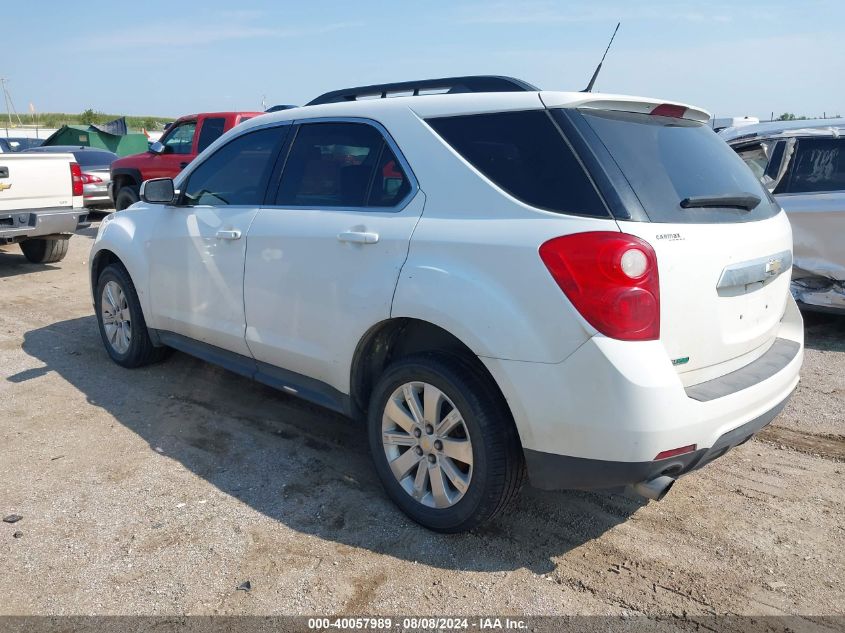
x: 158, y: 191
x: 157, y: 148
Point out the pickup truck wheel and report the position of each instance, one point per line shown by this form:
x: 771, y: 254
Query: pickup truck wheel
x: 44, y: 251
x: 126, y: 197
x: 443, y: 443
x: 122, y: 326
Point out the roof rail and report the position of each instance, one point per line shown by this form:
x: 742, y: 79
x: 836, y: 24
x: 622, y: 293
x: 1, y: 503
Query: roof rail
x: 450, y: 85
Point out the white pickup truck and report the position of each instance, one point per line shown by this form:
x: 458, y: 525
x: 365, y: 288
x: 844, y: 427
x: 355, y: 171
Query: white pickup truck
x: 40, y: 204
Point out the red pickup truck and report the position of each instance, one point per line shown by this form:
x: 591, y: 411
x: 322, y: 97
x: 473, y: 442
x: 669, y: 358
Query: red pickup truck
x: 184, y: 139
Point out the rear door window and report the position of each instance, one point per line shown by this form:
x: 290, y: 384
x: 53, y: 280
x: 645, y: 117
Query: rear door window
x: 236, y: 173
x: 341, y: 165
x: 524, y: 154
x: 818, y: 165
x: 211, y: 130
x: 667, y: 159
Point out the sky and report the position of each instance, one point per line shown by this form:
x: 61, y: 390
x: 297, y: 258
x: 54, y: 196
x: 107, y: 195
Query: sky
x: 178, y: 57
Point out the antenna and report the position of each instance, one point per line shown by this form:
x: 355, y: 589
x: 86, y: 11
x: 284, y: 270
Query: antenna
x: 590, y: 85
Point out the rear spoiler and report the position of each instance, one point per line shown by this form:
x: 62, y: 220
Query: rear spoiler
x: 620, y: 103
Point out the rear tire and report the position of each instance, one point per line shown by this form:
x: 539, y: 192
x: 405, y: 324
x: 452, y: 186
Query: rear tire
x: 126, y: 197
x: 121, y: 322
x: 478, y: 483
x: 44, y: 251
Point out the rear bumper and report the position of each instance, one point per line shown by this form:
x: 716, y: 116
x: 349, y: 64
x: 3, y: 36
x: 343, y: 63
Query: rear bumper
x: 18, y: 225
x: 599, y: 418
x: 558, y: 472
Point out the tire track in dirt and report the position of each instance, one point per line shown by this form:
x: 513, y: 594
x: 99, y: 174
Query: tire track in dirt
x: 829, y: 445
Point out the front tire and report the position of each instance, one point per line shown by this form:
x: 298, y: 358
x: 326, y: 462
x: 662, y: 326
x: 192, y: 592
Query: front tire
x: 121, y: 322
x: 443, y: 442
x: 44, y: 251
x: 126, y: 196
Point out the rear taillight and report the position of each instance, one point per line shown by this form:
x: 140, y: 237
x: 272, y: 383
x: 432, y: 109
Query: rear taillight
x: 76, y: 178
x: 90, y: 179
x: 611, y: 279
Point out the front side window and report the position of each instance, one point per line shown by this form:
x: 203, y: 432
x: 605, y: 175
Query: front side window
x: 212, y: 129
x: 524, y: 154
x: 180, y: 139
x: 819, y: 165
x: 341, y: 165
x: 237, y: 173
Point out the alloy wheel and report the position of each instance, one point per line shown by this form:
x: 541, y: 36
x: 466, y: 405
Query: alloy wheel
x: 117, y: 321
x: 427, y: 444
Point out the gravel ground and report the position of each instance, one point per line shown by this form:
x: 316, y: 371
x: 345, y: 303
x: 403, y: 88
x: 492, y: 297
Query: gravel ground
x: 161, y: 490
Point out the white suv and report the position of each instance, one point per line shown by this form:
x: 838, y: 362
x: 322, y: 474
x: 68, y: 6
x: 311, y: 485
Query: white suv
x: 589, y: 289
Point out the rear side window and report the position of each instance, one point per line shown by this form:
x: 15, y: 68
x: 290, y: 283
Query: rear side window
x: 525, y: 154
x: 236, y: 173
x: 667, y: 159
x: 818, y: 165
x: 212, y: 129
x: 341, y: 165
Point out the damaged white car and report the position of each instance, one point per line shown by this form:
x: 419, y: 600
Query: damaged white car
x: 802, y: 163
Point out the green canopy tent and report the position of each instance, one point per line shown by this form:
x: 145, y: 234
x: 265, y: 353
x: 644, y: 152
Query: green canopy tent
x: 97, y: 136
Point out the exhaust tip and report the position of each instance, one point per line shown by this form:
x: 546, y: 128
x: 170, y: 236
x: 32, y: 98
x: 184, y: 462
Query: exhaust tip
x: 654, y: 489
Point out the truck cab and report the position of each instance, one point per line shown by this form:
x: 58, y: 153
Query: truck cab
x: 181, y: 143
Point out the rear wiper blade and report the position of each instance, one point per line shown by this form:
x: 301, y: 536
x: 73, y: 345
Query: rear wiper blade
x: 745, y: 201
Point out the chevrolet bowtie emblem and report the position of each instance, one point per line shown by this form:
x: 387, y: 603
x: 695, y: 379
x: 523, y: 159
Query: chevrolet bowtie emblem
x: 773, y: 266
x: 4, y: 186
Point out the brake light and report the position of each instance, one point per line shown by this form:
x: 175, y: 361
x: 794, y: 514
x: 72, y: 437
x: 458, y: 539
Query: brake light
x: 90, y: 179
x: 611, y: 279
x: 669, y: 109
x: 674, y: 452
x: 76, y: 178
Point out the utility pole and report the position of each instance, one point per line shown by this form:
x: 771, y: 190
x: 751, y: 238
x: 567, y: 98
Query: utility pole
x: 10, y: 107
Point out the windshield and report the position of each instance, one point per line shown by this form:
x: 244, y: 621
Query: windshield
x: 667, y: 160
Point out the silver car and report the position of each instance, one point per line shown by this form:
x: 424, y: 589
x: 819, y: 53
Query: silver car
x: 95, y: 164
x: 802, y: 163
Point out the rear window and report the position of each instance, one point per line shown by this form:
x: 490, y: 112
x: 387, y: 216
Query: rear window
x: 94, y: 158
x: 524, y: 154
x: 666, y: 160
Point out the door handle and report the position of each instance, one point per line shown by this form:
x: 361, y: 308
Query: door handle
x: 182, y: 165
x: 4, y: 172
x: 229, y: 235
x: 358, y: 237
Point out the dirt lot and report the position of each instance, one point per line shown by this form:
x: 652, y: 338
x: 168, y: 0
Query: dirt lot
x: 161, y: 490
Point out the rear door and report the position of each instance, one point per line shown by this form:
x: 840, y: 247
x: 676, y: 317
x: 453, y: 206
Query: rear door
x: 324, y: 256
x: 812, y: 193
x: 724, y: 268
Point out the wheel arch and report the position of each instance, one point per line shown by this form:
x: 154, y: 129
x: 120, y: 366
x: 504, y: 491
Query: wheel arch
x: 399, y: 337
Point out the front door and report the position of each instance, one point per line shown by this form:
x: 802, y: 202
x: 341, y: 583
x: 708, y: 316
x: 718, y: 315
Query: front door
x: 197, y: 254
x: 323, y: 261
x: 178, y: 151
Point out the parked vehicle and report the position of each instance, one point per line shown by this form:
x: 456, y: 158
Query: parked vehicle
x: 96, y: 174
x: 40, y: 203
x: 597, y: 290
x: 803, y: 164
x: 18, y: 143
x: 183, y: 140
x: 733, y: 121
